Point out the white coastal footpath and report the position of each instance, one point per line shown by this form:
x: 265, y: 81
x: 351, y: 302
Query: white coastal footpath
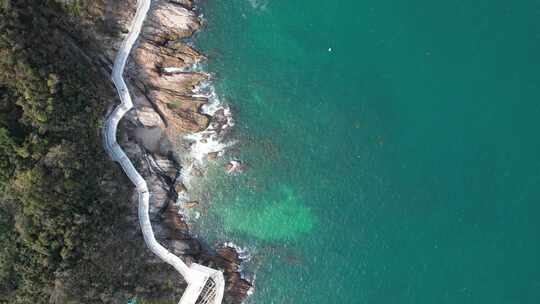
x: 205, y: 285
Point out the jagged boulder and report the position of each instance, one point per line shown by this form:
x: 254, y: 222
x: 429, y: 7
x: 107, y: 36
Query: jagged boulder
x: 148, y: 117
x: 170, y: 21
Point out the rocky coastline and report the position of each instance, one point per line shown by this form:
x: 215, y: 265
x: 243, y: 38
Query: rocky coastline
x: 168, y: 108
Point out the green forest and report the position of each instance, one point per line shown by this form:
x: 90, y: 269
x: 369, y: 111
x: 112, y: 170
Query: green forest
x: 53, y: 212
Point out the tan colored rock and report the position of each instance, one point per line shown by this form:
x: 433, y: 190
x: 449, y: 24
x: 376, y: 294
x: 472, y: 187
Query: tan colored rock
x: 150, y: 56
x: 183, y: 82
x: 189, y: 205
x: 161, y: 68
x: 169, y: 21
x: 179, y: 188
x: 148, y: 117
x: 213, y: 155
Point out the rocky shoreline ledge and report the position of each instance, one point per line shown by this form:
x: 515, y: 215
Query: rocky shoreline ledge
x: 168, y: 106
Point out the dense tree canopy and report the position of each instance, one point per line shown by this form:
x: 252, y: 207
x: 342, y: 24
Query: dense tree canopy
x: 51, y: 159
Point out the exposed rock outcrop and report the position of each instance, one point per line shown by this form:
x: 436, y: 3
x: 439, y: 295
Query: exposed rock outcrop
x: 162, y: 65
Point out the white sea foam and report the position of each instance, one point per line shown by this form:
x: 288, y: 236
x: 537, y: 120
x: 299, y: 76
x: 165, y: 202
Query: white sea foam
x: 211, y: 139
x: 234, y: 167
x: 245, y: 259
x: 173, y: 70
x: 243, y: 252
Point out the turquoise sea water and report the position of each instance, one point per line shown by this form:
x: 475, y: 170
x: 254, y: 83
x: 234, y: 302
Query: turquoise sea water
x: 392, y: 148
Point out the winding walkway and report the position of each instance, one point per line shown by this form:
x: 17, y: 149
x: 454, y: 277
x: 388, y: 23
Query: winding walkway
x: 197, y: 276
